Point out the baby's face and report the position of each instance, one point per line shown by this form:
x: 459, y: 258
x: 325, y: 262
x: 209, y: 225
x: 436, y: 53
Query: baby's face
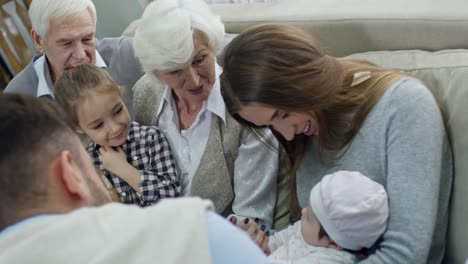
x: 310, y: 228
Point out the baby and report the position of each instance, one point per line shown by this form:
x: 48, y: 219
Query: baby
x: 347, y: 212
x: 136, y: 159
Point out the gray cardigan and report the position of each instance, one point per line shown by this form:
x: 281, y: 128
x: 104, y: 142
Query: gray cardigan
x: 221, y: 149
x: 214, y: 177
x: 403, y: 146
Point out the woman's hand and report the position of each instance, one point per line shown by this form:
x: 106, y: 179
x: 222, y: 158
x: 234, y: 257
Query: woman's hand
x: 259, y: 235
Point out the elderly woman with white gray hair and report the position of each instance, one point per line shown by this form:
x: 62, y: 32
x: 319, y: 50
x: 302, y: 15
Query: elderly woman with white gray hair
x: 176, y: 41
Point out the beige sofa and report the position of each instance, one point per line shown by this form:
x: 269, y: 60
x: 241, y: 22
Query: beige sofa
x: 426, y: 38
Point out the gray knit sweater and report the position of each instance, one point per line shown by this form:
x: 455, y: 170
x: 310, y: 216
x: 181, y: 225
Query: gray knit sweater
x: 403, y: 146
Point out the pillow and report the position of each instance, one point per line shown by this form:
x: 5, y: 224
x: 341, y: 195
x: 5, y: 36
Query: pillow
x: 446, y: 74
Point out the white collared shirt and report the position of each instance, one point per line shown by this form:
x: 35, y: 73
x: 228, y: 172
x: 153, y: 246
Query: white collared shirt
x: 256, y: 165
x: 190, y: 144
x: 44, y: 84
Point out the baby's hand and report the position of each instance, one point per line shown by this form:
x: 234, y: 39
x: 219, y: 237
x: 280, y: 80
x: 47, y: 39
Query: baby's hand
x: 113, y: 159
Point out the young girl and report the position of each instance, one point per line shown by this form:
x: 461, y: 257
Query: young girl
x: 136, y: 159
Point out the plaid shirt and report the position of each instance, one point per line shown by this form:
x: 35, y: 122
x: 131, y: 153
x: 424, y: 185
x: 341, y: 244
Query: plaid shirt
x: 147, y: 149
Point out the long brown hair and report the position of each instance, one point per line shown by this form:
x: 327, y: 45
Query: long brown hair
x: 280, y: 66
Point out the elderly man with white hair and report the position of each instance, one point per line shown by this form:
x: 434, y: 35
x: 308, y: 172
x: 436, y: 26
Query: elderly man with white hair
x: 64, y: 33
x: 176, y: 42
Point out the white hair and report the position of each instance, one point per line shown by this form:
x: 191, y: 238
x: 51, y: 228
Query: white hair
x: 41, y: 12
x: 164, y: 35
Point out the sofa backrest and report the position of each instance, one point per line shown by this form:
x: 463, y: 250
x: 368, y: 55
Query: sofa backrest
x: 427, y: 39
x: 345, y: 27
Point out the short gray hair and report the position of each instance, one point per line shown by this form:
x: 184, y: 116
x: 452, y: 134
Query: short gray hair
x: 164, y: 36
x: 41, y: 12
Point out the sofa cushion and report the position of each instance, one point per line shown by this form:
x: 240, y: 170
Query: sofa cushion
x: 446, y: 74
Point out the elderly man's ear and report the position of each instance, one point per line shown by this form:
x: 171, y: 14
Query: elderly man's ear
x: 38, y: 42
x: 70, y: 181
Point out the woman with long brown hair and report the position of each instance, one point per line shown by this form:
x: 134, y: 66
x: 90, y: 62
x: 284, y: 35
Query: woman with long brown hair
x: 341, y: 114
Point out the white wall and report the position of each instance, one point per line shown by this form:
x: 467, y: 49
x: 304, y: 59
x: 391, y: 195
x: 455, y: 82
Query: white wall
x: 113, y: 16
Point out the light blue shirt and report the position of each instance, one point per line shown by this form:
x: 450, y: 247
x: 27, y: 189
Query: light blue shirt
x: 227, y: 244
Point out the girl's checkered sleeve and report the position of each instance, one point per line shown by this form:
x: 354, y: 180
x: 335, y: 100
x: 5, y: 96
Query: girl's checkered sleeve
x: 160, y: 178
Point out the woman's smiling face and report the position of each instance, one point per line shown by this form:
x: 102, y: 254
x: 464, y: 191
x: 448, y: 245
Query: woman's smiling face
x: 288, y: 124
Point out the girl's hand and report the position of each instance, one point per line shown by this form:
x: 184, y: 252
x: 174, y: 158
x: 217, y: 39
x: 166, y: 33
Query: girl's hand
x: 112, y: 159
